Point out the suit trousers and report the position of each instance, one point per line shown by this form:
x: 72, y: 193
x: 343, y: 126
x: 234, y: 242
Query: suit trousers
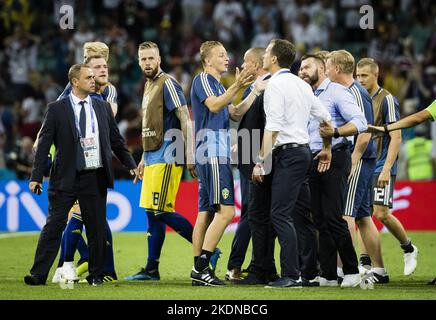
x: 242, y: 234
x: 90, y: 189
x: 327, y: 197
x: 290, y: 171
x: 262, y: 233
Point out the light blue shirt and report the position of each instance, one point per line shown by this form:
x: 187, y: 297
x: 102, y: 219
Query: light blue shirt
x: 342, y: 107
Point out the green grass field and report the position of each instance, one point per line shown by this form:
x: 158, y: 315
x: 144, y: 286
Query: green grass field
x: 130, y: 254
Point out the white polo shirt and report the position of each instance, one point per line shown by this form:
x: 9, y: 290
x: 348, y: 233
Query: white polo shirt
x: 288, y: 103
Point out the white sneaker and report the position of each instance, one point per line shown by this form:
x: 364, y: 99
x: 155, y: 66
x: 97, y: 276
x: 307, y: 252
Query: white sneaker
x: 69, y: 272
x: 410, y: 261
x: 323, y: 282
x: 351, y: 280
x: 57, y: 275
x: 364, y: 269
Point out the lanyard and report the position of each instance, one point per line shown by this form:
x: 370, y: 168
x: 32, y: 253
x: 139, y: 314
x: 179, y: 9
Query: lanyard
x: 76, y: 119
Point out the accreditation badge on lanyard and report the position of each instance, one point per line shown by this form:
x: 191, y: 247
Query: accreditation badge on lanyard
x: 89, y: 144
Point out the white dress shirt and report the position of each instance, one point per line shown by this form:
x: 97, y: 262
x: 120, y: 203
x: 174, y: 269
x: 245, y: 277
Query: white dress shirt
x: 289, y: 102
x: 89, y: 123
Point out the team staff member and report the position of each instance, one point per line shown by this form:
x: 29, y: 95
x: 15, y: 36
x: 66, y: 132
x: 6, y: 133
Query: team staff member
x: 256, y: 198
x: 327, y: 187
x: 212, y: 110
x: 85, y: 134
x: 96, y: 55
x: 340, y: 68
x: 386, y: 110
x: 288, y: 102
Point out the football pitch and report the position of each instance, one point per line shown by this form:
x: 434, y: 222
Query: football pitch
x: 17, y: 252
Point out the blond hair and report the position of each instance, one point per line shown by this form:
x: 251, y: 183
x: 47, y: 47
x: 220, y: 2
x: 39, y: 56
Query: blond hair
x: 205, y: 49
x: 95, y: 48
x: 368, y: 62
x: 148, y: 45
x: 96, y: 56
x: 343, y: 59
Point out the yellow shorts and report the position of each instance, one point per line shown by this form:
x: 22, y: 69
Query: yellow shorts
x: 160, y: 184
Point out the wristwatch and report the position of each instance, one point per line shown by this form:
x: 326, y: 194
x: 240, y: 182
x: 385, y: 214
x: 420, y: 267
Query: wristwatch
x: 259, y: 161
x: 385, y: 126
x: 336, y: 133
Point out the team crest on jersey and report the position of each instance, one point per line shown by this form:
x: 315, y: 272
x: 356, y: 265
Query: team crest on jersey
x: 225, y: 192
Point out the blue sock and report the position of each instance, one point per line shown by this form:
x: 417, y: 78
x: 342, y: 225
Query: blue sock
x: 179, y: 223
x: 109, y: 265
x: 82, y: 247
x: 156, y: 237
x: 72, y: 234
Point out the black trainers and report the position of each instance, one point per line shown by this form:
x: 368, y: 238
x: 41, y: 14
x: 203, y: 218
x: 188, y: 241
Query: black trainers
x: 432, y: 282
x: 310, y: 282
x: 251, y: 279
x: 380, y: 278
x: 205, y: 277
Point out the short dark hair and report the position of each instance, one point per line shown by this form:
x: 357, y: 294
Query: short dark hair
x: 285, y: 52
x: 314, y: 56
x: 74, y: 71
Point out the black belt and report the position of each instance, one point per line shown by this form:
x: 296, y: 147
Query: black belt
x: 290, y: 146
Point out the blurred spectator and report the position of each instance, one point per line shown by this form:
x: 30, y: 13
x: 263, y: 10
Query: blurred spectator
x: 50, y: 89
x: 324, y: 16
x: 21, y: 51
x: 31, y: 114
x: 229, y: 18
x: 82, y: 35
x: 191, y: 9
x: 21, y: 159
x: 265, y: 35
x: 182, y: 77
x: 349, y: 9
x: 265, y: 10
x: 305, y: 33
x: 291, y: 10
x: 414, y: 93
x: 204, y: 25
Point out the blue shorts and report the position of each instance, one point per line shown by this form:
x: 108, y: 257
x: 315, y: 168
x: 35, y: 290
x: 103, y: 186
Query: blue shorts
x: 358, y: 192
x: 215, y: 185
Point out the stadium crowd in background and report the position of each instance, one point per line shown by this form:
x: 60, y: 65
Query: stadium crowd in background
x: 35, y: 53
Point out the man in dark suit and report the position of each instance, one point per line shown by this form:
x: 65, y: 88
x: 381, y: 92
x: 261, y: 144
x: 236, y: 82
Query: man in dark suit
x: 85, y: 133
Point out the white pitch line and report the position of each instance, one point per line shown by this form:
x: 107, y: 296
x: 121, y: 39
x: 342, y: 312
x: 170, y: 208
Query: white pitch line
x: 17, y: 234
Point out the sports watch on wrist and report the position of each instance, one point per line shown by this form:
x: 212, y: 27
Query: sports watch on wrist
x: 336, y: 133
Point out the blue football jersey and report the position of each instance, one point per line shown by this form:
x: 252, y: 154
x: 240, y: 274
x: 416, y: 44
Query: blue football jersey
x: 211, y: 128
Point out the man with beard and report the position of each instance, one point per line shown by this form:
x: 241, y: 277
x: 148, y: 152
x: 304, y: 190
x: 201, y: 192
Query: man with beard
x: 327, y: 187
x: 164, y: 109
